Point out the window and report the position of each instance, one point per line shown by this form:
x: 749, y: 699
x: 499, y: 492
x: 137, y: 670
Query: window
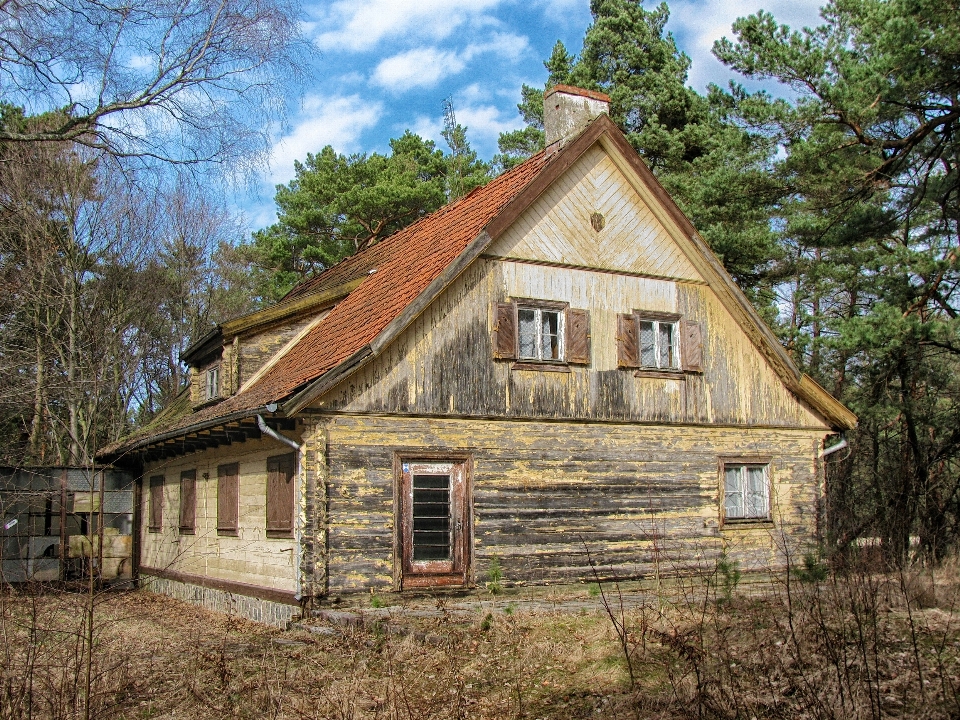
x: 434, y: 521
x: 156, y: 504
x: 541, y: 334
x: 280, y: 495
x: 188, y: 502
x: 746, y: 491
x: 658, y: 343
x: 228, y: 499
x: 213, y: 383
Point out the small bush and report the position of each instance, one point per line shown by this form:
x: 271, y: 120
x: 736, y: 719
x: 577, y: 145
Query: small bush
x: 814, y: 570
x: 494, y: 576
x: 728, y: 574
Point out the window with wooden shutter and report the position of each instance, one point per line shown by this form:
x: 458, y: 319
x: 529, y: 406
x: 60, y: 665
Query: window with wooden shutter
x: 228, y: 499
x: 541, y: 334
x: 280, y: 498
x: 188, y: 502
x: 155, y: 523
x: 505, y: 331
x: 578, y: 336
x: 691, y: 346
x: 658, y: 344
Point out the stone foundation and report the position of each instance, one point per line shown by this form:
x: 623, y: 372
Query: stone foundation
x: 262, y: 611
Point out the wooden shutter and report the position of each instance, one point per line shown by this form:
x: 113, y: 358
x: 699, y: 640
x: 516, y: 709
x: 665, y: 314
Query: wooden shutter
x: 691, y: 346
x: 628, y: 350
x: 578, y: 336
x: 505, y: 331
x: 280, y: 495
x: 228, y: 498
x: 156, y: 503
x: 188, y: 501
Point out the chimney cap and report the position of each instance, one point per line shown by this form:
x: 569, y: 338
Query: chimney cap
x: 573, y: 90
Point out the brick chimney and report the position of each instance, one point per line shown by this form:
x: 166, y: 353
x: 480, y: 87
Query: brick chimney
x: 567, y: 110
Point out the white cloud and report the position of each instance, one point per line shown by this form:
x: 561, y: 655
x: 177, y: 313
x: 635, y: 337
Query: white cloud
x: 337, y: 122
x: 430, y: 129
x: 421, y: 67
x: 363, y: 25
x: 142, y: 62
x: 698, y: 23
x: 426, y: 66
x: 484, y: 122
x: 560, y: 7
x: 507, y: 45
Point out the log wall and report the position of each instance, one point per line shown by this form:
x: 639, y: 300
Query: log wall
x: 638, y: 497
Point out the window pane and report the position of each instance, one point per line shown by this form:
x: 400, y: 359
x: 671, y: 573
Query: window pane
x: 550, y: 328
x: 756, y: 505
x: 528, y: 333
x: 648, y: 348
x: 667, y: 354
x: 431, y: 517
x: 733, y: 492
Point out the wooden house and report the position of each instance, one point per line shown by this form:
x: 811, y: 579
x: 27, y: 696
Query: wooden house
x: 552, y: 364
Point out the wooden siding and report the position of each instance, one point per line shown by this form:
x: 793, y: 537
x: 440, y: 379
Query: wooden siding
x: 261, y: 347
x: 635, y: 495
x: 245, y: 556
x: 443, y: 363
x: 557, y: 227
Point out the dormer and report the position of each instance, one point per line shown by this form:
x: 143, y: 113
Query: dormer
x: 211, y: 369
x: 234, y: 354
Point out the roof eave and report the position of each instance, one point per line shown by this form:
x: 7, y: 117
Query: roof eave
x: 143, y: 443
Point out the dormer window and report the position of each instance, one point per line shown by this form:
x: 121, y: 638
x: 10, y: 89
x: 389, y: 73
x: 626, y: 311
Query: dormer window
x: 213, y: 383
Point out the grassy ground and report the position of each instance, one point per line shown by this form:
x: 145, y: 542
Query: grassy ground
x: 870, y: 646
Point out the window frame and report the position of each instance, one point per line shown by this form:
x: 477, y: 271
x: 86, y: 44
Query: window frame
x: 212, y: 391
x: 742, y: 463
x: 538, y: 307
x: 658, y: 319
x: 409, y: 573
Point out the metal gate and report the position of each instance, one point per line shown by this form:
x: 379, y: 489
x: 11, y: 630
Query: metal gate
x: 62, y: 523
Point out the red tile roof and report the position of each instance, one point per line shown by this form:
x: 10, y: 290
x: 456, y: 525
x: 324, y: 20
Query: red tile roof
x: 406, y: 263
x: 398, y: 270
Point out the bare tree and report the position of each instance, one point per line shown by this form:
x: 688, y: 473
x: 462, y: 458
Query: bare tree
x: 183, y: 81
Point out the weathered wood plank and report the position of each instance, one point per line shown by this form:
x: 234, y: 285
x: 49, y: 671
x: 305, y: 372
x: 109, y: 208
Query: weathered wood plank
x: 636, y: 495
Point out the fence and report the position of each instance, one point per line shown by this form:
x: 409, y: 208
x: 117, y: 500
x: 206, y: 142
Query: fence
x: 60, y: 523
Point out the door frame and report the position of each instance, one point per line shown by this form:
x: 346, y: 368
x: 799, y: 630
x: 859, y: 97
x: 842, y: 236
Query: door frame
x: 405, y: 576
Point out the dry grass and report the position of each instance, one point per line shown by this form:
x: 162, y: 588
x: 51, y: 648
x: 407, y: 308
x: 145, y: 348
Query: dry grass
x: 846, y: 647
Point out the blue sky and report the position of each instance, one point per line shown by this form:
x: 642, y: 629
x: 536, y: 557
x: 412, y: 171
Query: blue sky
x: 385, y: 66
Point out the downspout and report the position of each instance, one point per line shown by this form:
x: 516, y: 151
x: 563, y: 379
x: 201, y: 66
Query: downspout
x: 821, y: 504
x: 297, y: 530
x: 833, y: 448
